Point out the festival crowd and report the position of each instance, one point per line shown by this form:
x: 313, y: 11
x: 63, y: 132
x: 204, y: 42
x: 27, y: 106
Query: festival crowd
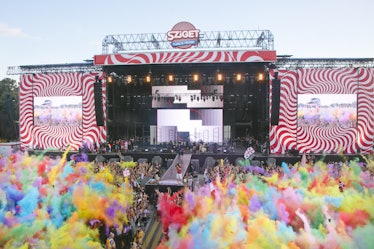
x: 295, y: 196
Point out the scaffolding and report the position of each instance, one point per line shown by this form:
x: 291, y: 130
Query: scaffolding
x: 84, y: 67
x: 286, y: 62
x: 241, y: 39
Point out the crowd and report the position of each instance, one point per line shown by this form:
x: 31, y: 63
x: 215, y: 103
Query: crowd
x: 49, y: 178
x: 43, y: 199
x: 311, y: 204
x: 140, y: 212
x: 223, y: 171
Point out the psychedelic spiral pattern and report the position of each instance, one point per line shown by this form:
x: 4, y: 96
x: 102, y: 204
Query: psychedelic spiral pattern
x: 185, y: 57
x: 60, y: 84
x: 288, y: 135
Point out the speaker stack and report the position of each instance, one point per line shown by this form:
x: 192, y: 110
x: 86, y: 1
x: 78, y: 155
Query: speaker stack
x: 275, y: 101
x: 98, y: 103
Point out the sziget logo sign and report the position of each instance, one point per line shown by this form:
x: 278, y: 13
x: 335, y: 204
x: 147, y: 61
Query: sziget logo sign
x: 183, y: 35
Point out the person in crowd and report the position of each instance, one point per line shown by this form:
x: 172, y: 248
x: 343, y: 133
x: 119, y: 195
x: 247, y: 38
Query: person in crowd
x: 127, y: 235
x: 179, y: 172
x: 138, y: 239
x: 110, y: 243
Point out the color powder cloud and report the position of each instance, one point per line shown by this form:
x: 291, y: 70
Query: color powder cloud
x: 49, y: 203
x: 301, y: 207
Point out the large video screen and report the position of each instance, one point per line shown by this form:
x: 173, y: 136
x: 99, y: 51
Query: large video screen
x: 192, y: 125
x: 58, y: 111
x: 327, y: 110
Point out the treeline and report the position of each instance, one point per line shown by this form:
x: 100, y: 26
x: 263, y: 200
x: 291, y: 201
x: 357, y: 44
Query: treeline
x: 9, y: 110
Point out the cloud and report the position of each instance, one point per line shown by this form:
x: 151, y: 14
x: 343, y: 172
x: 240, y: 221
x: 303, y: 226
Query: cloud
x: 6, y: 30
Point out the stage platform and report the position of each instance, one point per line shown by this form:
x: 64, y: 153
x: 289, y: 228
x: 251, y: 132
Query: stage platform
x: 198, y: 159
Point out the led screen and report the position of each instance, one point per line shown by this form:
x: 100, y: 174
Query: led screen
x: 58, y: 111
x: 190, y: 125
x: 327, y: 110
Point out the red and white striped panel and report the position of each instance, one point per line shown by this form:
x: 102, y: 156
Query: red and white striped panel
x: 59, y: 84
x: 365, y: 116
x: 283, y: 136
x: 287, y: 135
x: 186, y: 57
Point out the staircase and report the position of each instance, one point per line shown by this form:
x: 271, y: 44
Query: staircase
x: 153, y: 237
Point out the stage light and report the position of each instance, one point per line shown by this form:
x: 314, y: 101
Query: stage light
x: 195, y: 78
x: 219, y: 77
x: 148, y: 79
x: 129, y: 78
x: 170, y: 78
x: 109, y: 79
x: 238, y: 77
x: 260, y: 77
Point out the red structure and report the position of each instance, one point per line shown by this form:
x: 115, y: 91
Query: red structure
x: 316, y: 139
x: 140, y: 62
x: 59, y: 136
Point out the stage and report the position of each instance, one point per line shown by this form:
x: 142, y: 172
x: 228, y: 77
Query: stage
x: 198, y: 160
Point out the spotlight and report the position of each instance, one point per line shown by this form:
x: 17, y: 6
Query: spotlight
x: 170, y: 78
x: 195, y: 78
x: 238, y: 77
x: 219, y: 77
x: 129, y: 78
x: 148, y: 78
x: 260, y: 77
x: 109, y: 79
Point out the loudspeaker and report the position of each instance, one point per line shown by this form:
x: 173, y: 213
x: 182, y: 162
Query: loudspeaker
x: 98, y: 104
x: 275, y: 101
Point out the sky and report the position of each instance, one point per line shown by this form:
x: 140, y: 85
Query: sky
x: 71, y: 31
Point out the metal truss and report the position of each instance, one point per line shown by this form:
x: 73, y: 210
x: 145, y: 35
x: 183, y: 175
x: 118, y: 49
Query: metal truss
x: 88, y: 66
x: 260, y: 39
x: 282, y: 63
x: 296, y: 63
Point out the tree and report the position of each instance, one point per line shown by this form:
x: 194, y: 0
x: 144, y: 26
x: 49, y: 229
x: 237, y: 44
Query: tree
x: 9, y: 111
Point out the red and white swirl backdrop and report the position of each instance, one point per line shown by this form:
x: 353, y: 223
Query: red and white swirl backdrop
x: 60, y: 84
x: 288, y: 135
x: 283, y: 136
x: 186, y: 57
